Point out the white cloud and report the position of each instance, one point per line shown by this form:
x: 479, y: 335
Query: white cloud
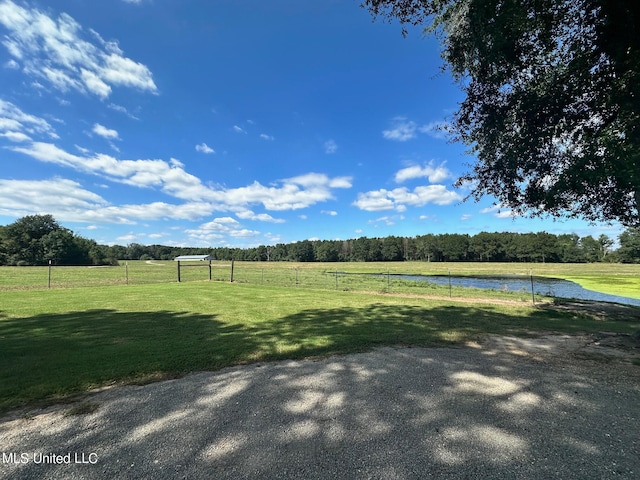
x: 387, y: 220
x: 121, y: 109
x: 12, y: 64
x: 264, y: 136
x: 292, y: 193
x: 68, y: 201
x: 465, y: 217
x: 401, y: 130
x: 435, y: 129
x: 204, y: 148
x: 171, y: 178
x: 434, y: 174
x: 219, y: 229
x: 129, y: 238
x: 16, y: 136
x: 400, y: 198
x: 330, y: 147
x: 499, y: 211
x: 331, y: 213
x: 58, y: 50
x: 238, y: 129
x: 374, y: 201
x: 13, y: 119
x: 91, y: 81
x: 65, y: 199
x: 260, y: 217
x: 104, y: 132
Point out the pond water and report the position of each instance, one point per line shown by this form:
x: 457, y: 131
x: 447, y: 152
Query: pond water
x: 553, y: 287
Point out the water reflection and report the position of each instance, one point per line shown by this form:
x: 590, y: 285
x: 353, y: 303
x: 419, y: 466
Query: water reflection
x: 553, y: 287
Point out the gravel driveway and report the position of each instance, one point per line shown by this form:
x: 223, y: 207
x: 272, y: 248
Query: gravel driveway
x: 508, y: 408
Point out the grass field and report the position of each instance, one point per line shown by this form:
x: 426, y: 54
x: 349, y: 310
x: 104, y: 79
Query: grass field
x: 616, y: 279
x: 58, y: 342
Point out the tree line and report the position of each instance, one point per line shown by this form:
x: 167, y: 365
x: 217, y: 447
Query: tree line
x: 38, y: 239
x: 450, y: 247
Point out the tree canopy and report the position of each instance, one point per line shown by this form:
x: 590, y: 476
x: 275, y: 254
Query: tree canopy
x: 552, y: 103
x: 39, y: 239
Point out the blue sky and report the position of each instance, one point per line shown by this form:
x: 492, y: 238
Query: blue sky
x: 231, y: 123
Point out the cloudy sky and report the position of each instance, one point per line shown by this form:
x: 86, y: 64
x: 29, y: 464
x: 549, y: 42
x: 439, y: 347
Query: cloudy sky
x: 231, y: 123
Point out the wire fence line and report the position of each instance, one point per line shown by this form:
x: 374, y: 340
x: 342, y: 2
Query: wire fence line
x: 392, y: 279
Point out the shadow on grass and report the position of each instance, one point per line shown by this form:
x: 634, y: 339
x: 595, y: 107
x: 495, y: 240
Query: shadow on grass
x: 391, y: 413
x: 346, y: 329
x: 52, y: 356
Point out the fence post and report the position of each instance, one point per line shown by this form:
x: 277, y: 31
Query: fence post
x: 336, y: 279
x: 49, y: 280
x: 232, y: 271
x: 533, y: 298
x: 450, y: 283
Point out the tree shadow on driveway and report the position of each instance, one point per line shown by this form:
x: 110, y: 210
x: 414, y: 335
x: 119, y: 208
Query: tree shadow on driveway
x: 391, y: 412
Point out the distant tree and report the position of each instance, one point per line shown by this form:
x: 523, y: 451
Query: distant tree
x: 135, y: 251
x: 301, y: 251
x: 605, y: 244
x: 591, y: 249
x: 38, y: 239
x: 118, y: 251
x: 391, y: 249
x: 552, y: 110
x: 569, y: 248
x: 23, y: 239
x: 487, y: 246
x: 455, y: 247
x: 545, y: 247
x: 360, y: 249
x: 60, y: 247
x: 429, y: 248
x: 629, y: 251
x: 327, y: 251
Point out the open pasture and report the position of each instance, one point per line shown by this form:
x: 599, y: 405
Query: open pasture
x: 616, y: 279
x: 59, y: 342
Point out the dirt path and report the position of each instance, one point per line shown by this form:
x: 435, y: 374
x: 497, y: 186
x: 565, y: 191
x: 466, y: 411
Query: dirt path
x: 552, y: 407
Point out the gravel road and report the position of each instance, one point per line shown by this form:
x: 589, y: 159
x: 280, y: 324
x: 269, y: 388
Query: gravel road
x: 507, y: 408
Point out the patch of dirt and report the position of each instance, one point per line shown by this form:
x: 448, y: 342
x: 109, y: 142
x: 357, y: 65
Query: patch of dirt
x: 601, y: 310
x: 606, y: 354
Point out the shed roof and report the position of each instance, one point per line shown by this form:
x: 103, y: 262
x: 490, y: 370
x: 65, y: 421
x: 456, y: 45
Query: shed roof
x: 192, y: 258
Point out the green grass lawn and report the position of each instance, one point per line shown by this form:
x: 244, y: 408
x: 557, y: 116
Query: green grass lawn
x: 58, y: 342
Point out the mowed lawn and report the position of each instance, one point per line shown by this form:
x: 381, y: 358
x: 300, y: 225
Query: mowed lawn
x: 59, y: 342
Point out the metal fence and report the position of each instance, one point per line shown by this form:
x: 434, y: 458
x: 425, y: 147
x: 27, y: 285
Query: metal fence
x: 433, y: 280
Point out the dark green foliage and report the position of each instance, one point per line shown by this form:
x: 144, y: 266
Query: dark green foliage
x: 38, y: 239
x: 552, y: 112
x: 629, y: 251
